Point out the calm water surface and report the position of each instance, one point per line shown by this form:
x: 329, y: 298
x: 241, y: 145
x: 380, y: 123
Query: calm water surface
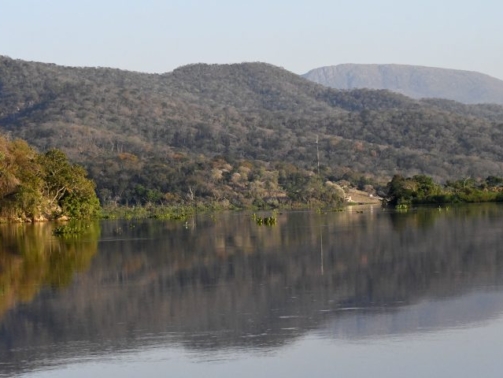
x: 380, y: 293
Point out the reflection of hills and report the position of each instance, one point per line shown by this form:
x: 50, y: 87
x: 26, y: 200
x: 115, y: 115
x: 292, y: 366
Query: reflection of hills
x: 227, y: 283
x: 31, y: 258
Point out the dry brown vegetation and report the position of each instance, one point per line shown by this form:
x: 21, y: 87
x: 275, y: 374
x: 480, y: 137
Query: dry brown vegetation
x: 147, y: 133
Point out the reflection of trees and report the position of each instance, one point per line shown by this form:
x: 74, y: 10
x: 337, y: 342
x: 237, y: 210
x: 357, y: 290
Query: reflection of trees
x: 32, y: 258
x: 208, y: 276
x: 425, y: 217
x: 225, y: 282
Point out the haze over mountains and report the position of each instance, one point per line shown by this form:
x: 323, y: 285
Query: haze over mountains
x: 129, y: 128
x: 413, y: 81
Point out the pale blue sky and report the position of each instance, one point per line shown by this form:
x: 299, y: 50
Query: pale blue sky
x: 158, y: 36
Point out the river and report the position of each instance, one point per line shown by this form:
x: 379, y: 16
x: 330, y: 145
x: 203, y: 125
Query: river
x: 363, y: 292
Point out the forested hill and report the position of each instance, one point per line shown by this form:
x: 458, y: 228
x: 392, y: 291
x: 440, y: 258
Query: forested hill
x: 414, y: 81
x: 129, y: 128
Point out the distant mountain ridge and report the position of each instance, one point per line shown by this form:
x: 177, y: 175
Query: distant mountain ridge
x: 135, y: 131
x: 414, y: 81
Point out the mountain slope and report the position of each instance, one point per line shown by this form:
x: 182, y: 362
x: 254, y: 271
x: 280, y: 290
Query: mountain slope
x: 413, y: 81
x: 132, y: 128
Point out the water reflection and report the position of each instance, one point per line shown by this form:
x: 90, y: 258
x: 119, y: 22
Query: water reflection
x: 224, y: 283
x: 31, y: 258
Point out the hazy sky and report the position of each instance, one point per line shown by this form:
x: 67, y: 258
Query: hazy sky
x: 158, y: 36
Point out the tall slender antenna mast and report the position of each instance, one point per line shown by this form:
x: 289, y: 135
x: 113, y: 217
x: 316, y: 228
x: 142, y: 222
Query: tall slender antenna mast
x: 317, y: 155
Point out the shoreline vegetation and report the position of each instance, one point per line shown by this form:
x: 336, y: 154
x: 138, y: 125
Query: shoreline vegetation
x: 402, y: 193
x: 38, y: 187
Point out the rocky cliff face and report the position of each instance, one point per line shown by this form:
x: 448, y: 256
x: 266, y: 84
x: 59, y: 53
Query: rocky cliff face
x: 413, y: 81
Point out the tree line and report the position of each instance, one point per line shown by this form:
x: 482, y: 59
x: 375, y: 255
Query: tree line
x: 41, y: 186
x: 403, y: 192
x: 247, y: 111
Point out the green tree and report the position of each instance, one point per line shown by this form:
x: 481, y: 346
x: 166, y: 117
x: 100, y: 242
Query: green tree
x: 37, y: 186
x: 399, y: 191
x: 66, y: 186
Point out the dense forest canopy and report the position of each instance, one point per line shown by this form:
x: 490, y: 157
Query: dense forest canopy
x: 44, y: 186
x: 403, y: 192
x: 202, y: 129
